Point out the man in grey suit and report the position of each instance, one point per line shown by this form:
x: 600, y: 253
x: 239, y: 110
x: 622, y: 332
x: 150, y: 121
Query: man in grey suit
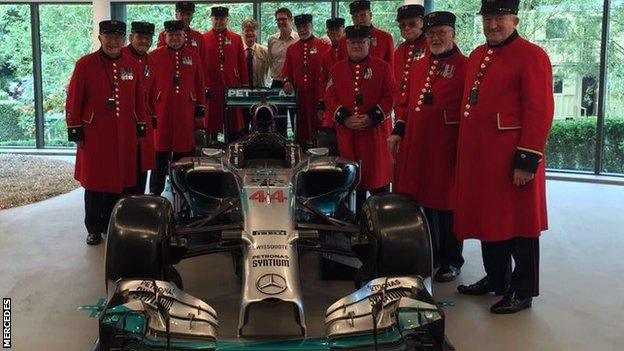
x: 257, y: 58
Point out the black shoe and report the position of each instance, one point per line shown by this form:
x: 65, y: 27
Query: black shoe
x: 511, y: 303
x: 446, y: 274
x: 481, y: 287
x: 94, y: 239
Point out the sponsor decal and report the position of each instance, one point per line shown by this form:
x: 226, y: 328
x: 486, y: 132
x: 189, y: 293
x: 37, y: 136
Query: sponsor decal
x: 264, y: 196
x: 268, y: 232
x: 389, y: 295
x: 380, y: 287
x: 271, y: 247
x: 271, y: 284
x: 6, y: 323
x: 270, y: 261
x: 145, y: 292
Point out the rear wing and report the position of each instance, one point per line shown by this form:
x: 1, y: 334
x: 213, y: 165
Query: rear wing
x: 246, y: 97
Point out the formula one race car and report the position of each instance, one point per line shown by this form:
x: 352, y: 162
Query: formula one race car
x: 266, y: 201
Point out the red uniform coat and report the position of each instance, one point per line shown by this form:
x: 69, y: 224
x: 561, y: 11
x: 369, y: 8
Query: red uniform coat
x: 382, y: 46
x: 148, y: 159
x: 327, y: 62
x: 425, y: 164
x: 107, y: 161
x: 507, y: 126
x: 194, y: 41
x: 226, y: 67
x: 376, y: 86
x: 176, y: 104
x: 302, y: 67
x: 404, y: 57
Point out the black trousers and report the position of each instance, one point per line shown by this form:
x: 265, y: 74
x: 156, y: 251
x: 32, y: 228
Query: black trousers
x: 159, y: 174
x: 139, y: 188
x: 98, y: 208
x: 497, y: 256
x: 447, y: 250
x: 360, y: 197
x: 281, y: 123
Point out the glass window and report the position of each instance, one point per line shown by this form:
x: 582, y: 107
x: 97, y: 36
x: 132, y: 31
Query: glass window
x: 65, y: 37
x: 160, y: 13
x: 613, y: 156
x: 384, y: 16
x: 17, y: 110
x: 574, y: 50
x: 320, y: 11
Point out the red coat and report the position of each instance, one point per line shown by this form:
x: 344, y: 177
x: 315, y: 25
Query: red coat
x: 382, y: 46
x: 369, y: 147
x: 425, y: 164
x: 148, y: 159
x: 506, y: 128
x: 107, y: 161
x: 327, y: 62
x: 302, y: 67
x: 194, y: 41
x: 404, y: 57
x: 226, y: 67
x: 176, y: 105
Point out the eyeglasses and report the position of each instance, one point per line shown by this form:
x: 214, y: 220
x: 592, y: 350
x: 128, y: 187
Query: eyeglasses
x: 430, y: 33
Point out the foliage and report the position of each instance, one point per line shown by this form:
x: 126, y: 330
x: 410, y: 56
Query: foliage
x: 572, y: 145
x: 574, y: 47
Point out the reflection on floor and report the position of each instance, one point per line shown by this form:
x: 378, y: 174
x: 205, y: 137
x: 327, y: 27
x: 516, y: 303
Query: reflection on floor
x: 48, y: 271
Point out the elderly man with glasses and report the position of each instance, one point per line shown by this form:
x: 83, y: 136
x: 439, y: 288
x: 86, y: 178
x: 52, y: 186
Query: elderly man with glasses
x: 410, y: 20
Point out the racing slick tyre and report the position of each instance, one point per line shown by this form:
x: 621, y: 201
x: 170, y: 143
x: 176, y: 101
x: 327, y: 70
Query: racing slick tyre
x: 399, y: 241
x: 326, y: 137
x: 137, y: 245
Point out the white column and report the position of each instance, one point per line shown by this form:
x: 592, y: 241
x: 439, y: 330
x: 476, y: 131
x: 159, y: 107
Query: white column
x: 101, y: 12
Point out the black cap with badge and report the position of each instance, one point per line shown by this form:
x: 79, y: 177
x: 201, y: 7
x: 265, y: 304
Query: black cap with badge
x: 142, y: 28
x: 410, y: 11
x: 499, y: 7
x: 335, y: 23
x: 185, y: 6
x: 219, y: 11
x: 357, y: 32
x: 439, y: 18
x: 302, y: 20
x: 112, y: 27
x: 359, y: 5
x: 171, y: 26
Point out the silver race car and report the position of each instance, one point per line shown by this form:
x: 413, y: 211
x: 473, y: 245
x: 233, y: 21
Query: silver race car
x: 264, y: 200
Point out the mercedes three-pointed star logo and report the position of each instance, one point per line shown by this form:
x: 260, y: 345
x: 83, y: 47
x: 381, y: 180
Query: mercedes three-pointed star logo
x: 271, y: 284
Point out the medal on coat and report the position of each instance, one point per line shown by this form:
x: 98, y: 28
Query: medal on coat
x: 146, y: 72
x: 313, y: 50
x: 474, y: 96
x: 126, y: 74
x: 368, y: 74
x: 110, y: 103
x: 193, y: 42
x: 228, y: 41
x: 359, y: 100
x: 428, y: 98
x: 187, y: 60
x: 374, y: 41
x: 418, y: 54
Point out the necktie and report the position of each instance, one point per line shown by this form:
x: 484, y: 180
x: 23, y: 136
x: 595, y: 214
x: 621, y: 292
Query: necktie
x: 250, y: 65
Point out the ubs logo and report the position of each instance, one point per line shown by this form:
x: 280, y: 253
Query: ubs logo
x: 271, y: 284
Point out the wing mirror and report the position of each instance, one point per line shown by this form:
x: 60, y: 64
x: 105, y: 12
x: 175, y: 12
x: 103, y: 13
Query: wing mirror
x: 317, y: 152
x: 210, y: 152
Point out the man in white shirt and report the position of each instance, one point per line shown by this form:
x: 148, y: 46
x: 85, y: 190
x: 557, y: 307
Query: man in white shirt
x: 277, y: 45
x: 257, y: 61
